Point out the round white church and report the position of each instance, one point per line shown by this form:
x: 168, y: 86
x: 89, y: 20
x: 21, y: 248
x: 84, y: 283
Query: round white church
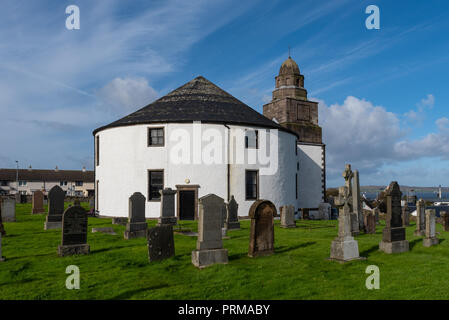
x: 198, y: 139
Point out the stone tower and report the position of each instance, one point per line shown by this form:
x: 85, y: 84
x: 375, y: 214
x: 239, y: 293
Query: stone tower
x: 290, y: 107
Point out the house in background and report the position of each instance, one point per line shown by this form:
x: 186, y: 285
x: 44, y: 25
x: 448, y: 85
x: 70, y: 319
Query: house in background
x: 76, y: 183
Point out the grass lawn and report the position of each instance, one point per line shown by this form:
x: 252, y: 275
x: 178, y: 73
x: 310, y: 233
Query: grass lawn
x: 119, y: 269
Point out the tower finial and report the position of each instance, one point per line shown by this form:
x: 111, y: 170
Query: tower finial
x: 289, y: 51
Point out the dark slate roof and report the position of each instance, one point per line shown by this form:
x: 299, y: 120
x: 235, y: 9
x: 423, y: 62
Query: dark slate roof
x: 197, y: 100
x: 47, y: 175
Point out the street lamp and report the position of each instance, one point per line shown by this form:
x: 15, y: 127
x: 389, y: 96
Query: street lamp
x: 17, y: 176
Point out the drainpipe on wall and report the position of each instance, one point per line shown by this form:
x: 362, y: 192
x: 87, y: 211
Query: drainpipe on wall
x: 228, y: 173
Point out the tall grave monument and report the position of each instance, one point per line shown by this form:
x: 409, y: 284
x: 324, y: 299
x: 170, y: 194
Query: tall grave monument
x: 261, y: 239
x: 348, y: 175
x: 137, y: 225
x: 430, y: 238
x: 168, y: 216
x: 74, y: 232
x: 232, y: 217
x: 357, y: 199
x: 344, y: 247
x: 209, y: 247
x: 420, y: 218
x: 445, y: 220
x: 55, y: 208
x: 393, y: 240
x: 38, y: 202
x: 405, y: 215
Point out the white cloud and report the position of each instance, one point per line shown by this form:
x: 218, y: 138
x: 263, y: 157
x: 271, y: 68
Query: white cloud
x: 371, y: 138
x: 124, y: 95
x: 426, y: 103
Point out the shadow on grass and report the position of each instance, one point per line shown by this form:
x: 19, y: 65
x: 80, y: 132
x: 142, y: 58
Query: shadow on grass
x: 130, y: 293
x: 413, y: 243
x: 366, y: 253
x: 110, y: 249
x: 286, y: 249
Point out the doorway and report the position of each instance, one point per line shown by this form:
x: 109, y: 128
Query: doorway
x: 187, y: 202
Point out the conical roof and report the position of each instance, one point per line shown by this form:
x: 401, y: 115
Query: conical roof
x: 289, y: 66
x: 197, y: 100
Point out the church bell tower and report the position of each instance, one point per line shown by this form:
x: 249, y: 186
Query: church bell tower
x: 291, y: 108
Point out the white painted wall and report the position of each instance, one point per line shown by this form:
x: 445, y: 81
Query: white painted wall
x: 310, y: 175
x: 125, y: 160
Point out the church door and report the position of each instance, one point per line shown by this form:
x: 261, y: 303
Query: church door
x: 187, y: 205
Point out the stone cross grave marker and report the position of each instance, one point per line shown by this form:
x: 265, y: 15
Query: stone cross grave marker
x: 357, y: 199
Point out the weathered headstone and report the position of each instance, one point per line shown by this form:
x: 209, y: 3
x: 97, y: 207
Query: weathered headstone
x: 209, y: 247
x: 161, y: 243
x: 74, y: 232
x: 92, y: 202
x: 2, y: 258
x: 445, y: 220
x: 376, y: 215
x: 55, y: 208
x: 168, y: 207
x: 120, y: 221
x: 232, y: 218
x: 325, y: 211
x: 2, y: 227
x: 393, y: 240
x: 137, y: 225
x: 430, y: 238
x: 305, y: 214
x: 348, y: 175
x: 37, y: 202
x: 420, y: 218
x: 261, y: 239
x: 370, y: 222
x: 287, y: 216
x: 357, y: 201
x: 344, y: 247
x: 8, y: 209
x: 406, y: 215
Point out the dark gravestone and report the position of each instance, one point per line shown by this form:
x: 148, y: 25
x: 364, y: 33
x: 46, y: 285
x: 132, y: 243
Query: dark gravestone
x: 232, y: 218
x: 261, y: 240
x: 168, y: 207
x: 137, y: 225
x: 370, y: 222
x: 161, y: 244
x: 209, y: 247
x: 55, y: 208
x: 74, y: 232
x: 445, y: 220
x: 37, y: 202
x: 305, y: 214
x: 393, y: 240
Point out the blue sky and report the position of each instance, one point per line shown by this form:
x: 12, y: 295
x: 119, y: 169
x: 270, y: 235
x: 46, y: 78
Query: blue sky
x: 383, y: 93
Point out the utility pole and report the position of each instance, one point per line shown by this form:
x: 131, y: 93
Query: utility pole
x: 17, y: 176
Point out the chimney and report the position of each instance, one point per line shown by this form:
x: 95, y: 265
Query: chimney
x: 30, y: 168
x: 84, y: 169
x: 56, y: 169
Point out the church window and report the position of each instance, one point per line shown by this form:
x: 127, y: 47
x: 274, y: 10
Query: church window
x: 155, y: 184
x: 155, y: 137
x: 97, y: 150
x: 252, y: 139
x: 251, y: 183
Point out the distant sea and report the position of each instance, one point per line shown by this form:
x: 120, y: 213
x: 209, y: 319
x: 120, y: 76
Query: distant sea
x: 429, y: 196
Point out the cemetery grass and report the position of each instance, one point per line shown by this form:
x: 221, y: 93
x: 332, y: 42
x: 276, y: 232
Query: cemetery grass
x: 119, y: 269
